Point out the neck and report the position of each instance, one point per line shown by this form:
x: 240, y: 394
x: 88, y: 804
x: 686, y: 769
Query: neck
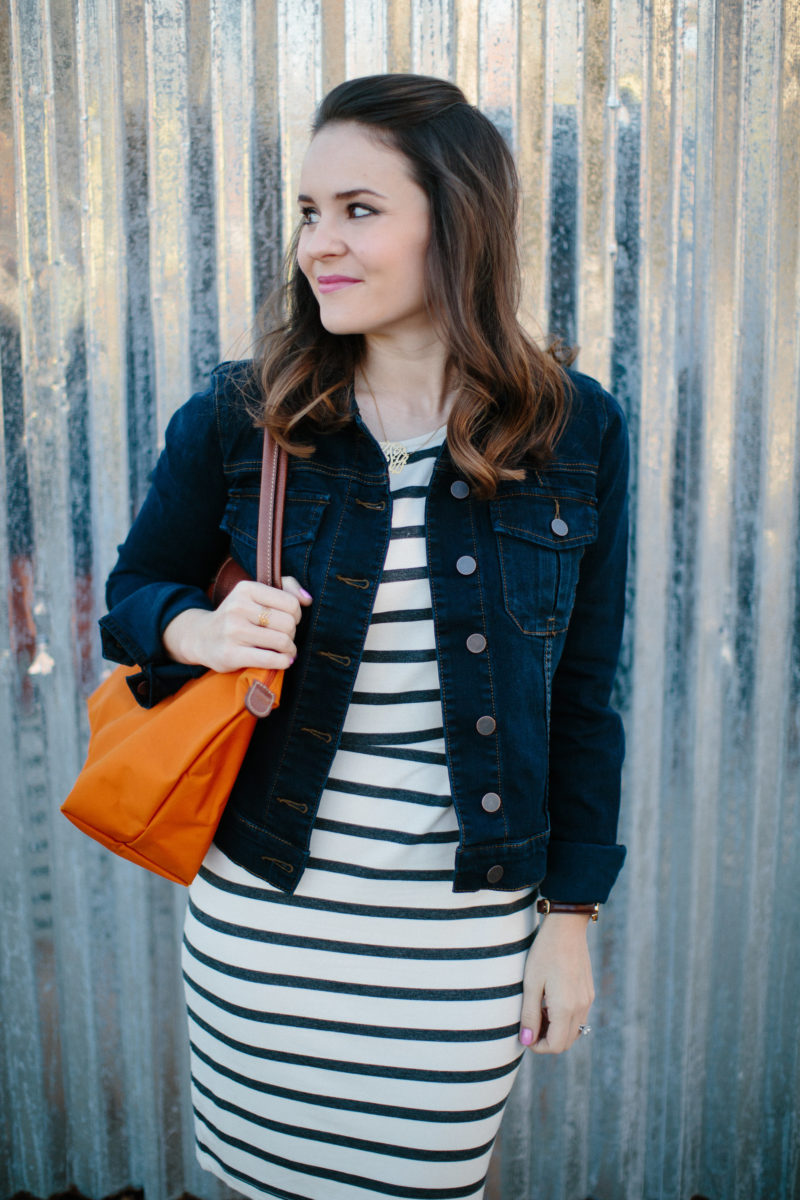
x: 402, y: 388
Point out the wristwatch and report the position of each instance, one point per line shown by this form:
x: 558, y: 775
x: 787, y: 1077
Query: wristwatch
x: 558, y: 906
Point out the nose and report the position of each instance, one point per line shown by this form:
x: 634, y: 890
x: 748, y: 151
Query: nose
x: 323, y: 240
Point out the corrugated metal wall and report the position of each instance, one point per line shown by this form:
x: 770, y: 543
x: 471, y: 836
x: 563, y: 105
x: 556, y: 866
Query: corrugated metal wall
x: 148, y: 155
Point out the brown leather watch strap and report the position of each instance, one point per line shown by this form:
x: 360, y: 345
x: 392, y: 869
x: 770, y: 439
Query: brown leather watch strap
x: 558, y: 906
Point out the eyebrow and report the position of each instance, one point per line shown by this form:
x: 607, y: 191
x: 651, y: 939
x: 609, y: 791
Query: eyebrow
x: 348, y: 195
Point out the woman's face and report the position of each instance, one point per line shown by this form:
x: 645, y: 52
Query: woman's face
x: 366, y: 228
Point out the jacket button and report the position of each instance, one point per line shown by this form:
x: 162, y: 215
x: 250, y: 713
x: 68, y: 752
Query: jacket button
x: 466, y: 564
x: 459, y: 489
x: 476, y: 643
x: 486, y: 725
x: 490, y: 802
x: 494, y: 874
x: 141, y: 688
x: 560, y: 528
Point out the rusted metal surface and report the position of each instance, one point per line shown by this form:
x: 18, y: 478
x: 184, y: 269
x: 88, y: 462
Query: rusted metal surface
x: 149, y: 154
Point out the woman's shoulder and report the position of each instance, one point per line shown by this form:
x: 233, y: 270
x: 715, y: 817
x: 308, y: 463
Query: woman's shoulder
x: 595, y: 419
x: 590, y: 400
x: 222, y: 412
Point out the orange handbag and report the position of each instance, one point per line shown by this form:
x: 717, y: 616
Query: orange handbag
x: 156, y: 780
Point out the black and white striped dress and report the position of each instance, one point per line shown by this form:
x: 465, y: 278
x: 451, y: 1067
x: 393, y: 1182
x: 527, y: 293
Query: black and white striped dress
x: 358, y: 1039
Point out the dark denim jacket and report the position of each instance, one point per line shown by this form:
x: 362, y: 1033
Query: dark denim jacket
x: 527, y: 640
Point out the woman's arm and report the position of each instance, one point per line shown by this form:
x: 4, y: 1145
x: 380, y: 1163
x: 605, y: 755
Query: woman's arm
x: 160, y: 616
x: 558, y: 981
x: 254, y: 626
x: 586, y: 745
x: 585, y: 761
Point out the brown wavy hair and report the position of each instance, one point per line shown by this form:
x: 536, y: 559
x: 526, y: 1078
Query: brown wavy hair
x: 511, y: 396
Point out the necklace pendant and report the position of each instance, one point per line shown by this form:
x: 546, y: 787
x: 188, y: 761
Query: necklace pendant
x: 396, y: 456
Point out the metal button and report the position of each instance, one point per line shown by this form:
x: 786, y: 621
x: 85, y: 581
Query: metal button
x: 476, y: 643
x: 494, y: 874
x: 486, y: 725
x: 466, y: 564
x: 459, y: 489
x: 490, y: 802
x: 560, y: 528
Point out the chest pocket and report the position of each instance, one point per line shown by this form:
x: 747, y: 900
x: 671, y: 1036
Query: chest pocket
x: 302, y: 515
x: 540, y: 542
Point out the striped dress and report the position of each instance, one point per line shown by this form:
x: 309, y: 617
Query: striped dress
x: 358, y: 1039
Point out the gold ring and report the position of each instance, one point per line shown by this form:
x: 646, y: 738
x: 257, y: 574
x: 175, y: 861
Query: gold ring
x: 263, y: 618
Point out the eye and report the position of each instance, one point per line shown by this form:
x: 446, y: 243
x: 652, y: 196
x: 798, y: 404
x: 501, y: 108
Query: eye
x: 361, y: 210
x: 309, y: 216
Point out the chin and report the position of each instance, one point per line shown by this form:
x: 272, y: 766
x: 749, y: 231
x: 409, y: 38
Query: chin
x: 339, y: 326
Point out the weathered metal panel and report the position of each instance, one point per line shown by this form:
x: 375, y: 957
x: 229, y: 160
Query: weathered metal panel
x: 149, y: 154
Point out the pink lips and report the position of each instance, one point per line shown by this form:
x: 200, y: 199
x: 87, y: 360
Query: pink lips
x: 334, y: 283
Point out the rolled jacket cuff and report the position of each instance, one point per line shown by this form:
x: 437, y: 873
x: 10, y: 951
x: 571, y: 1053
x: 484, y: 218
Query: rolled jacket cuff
x: 154, y: 683
x: 581, y: 872
x: 131, y: 631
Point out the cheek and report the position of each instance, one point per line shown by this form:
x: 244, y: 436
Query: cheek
x: 303, y: 257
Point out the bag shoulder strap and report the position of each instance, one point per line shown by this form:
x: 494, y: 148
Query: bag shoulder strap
x: 270, y: 527
x: 270, y: 512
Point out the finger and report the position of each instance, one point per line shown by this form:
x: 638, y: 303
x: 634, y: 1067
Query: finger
x: 534, y: 1009
x: 240, y: 632
x: 266, y: 617
x: 275, y: 598
x: 291, y: 585
x: 533, y: 1028
x: 277, y: 640
x: 557, y: 1036
x: 253, y: 656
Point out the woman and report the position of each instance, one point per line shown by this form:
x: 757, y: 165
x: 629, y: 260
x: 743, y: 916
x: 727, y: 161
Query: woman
x: 361, y: 974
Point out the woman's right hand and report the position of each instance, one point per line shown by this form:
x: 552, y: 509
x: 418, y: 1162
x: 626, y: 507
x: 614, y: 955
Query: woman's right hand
x: 230, y: 637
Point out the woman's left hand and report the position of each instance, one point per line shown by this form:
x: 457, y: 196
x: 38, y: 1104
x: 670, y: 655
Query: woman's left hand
x: 557, y: 987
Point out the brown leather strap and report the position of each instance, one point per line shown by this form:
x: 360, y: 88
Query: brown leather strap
x: 270, y: 527
x: 270, y: 513
x: 557, y: 906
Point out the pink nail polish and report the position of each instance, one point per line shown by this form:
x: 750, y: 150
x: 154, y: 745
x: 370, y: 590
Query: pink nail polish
x: 526, y: 1036
x: 306, y: 594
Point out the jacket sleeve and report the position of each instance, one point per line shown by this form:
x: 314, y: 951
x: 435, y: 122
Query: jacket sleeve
x: 171, y: 553
x: 586, y: 737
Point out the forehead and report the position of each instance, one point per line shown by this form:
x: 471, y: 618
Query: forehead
x: 344, y: 155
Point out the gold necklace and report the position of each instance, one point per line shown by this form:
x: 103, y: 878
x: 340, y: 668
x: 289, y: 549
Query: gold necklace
x: 395, y: 453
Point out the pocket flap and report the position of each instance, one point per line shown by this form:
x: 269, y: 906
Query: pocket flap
x: 556, y: 522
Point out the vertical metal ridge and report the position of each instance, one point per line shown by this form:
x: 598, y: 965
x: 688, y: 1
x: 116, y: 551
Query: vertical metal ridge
x: 596, y: 156
x: 653, y: 456
x: 364, y: 37
x: 498, y: 65
x: 169, y: 200
x: 299, y: 91
x: 24, y: 1144
x: 535, y: 138
x: 467, y: 35
x: 766, y: 339
x: 780, y: 566
x: 267, y: 186
x: 714, y: 644
x: 399, y: 37
x: 45, y: 202
x: 432, y: 38
x: 334, y: 39
x: 105, y: 279
x: 232, y: 107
